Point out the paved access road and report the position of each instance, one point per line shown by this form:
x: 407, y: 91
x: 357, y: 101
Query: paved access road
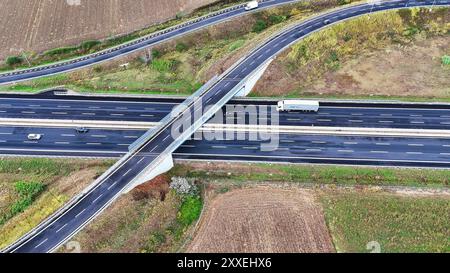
x: 153, y: 110
x: 292, y: 148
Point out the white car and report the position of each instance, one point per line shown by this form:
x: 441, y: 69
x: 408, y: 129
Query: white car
x: 252, y: 5
x: 34, y: 137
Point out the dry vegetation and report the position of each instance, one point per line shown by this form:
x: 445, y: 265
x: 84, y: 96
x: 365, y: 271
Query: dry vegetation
x: 44, y: 24
x: 59, y: 179
x: 263, y: 219
x: 394, y: 53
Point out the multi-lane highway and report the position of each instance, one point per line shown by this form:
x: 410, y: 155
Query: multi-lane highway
x: 292, y: 148
x: 135, y: 45
x: 81, y: 211
x: 406, y: 116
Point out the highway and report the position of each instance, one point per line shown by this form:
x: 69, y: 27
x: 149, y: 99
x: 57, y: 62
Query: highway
x: 50, y: 235
x: 293, y: 148
x: 135, y: 45
x: 153, y: 110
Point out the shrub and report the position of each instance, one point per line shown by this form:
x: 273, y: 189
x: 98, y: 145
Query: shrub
x: 87, y: 45
x: 276, y: 19
x: 156, y: 53
x: 61, y: 50
x: 190, y: 210
x: 13, y: 60
x: 180, y: 47
x: 259, y: 26
x: 162, y: 66
x: 446, y: 60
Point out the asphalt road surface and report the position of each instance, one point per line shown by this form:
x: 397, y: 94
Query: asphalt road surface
x: 50, y: 235
x: 292, y: 148
x: 346, y: 115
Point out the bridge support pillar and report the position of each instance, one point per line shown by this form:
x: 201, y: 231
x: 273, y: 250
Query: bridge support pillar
x: 253, y: 79
x: 150, y: 173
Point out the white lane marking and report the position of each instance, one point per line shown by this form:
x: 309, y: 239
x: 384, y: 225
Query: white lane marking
x: 385, y: 121
x: 63, y: 106
x: 61, y: 228
x: 5, y: 133
x: 379, y: 152
x: 294, y: 119
x: 67, y: 135
x: 123, y: 144
x: 219, y: 147
x: 154, y: 148
x: 88, y: 114
x: 350, y: 143
x: 355, y: 120
x: 383, y: 144
x: 318, y: 142
x: 447, y: 146
x: 41, y: 243
x: 445, y: 153
x: 130, y: 136
x: 28, y: 112
x: 414, y: 153
x: 147, y: 116
x: 98, y: 136
x: 62, y: 143
x: 346, y: 151
x: 417, y: 122
x: 59, y: 113
x: 81, y: 212
x: 314, y: 150
x: 357, y: 114
x: 324, y: 120
x: 117, y: 115
x: 187, y: 146
x: 112, y: 185
x: 94, y: 107
x: 96, y: 199
x: 93, y: 143
x: 140, y: 160
x: 126, y: 173
x: 34, y: 105
x: 287, y: 141
x: 415, y: 145
x: 250, y: 148
x: 166, y: 137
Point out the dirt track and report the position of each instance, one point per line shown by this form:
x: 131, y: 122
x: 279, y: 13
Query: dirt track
x: 264, y: 220
x: 38, y: 25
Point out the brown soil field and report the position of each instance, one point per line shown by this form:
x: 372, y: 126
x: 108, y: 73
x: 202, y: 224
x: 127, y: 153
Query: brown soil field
x: 263, y: 220
x: 38, y: 25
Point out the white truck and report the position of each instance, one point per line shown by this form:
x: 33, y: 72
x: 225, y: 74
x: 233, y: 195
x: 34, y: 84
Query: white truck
x: 298, y: 105
x: 252, y: 5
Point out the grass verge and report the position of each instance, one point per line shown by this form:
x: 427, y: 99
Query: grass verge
x: 358, y: 222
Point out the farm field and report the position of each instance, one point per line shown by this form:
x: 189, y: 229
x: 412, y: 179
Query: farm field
x: 47, y: 24
x: 263, y: 219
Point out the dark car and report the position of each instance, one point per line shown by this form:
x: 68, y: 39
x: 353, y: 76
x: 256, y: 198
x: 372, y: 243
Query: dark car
x: 82, y: 130
x: 326, y: 22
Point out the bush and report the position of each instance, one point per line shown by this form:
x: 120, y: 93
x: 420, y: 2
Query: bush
x: 259, y: 26
x: 446, y: 60
x: 61, y: 50
x: 13, y: 60
x: 156, y: 53
x: 180, y: 47
x: 276, y: 19
x: 87, y: 45
x: 163, y: 66
x: 190, y: 210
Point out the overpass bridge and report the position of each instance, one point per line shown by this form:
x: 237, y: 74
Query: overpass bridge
x: 152, y: 154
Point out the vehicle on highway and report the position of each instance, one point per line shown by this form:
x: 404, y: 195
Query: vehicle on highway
x: 252, y: 5
x: 34, y: 137
x: 327, y: 22
x: 82, y: 130
x: 298, y: 105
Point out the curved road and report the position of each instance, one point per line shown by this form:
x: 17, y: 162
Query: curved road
x: 135, y: 45
x: 48, y: 236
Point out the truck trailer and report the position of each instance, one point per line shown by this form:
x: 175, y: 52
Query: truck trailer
x: 298, y: 105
